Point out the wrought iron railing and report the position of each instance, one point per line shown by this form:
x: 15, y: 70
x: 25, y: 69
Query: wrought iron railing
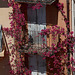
x: 35, y: 1
x: 35, y: 42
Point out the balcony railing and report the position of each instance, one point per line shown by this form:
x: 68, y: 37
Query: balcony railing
x: 35, y: 1
x: 35, y: 43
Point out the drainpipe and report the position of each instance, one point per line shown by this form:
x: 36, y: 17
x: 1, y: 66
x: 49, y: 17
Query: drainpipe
x: 73, y: 16
x: 68, y: 30
x: 73, y: 28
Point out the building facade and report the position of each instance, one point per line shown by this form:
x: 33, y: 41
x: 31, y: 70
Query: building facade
x: 37, y: 19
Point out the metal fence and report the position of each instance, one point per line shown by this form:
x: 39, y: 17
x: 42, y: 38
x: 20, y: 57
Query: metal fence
x: 35, y: 1
x: 35, y: 42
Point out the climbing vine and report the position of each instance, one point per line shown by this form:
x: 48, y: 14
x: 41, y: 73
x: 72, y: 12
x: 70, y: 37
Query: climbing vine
x: 56, y: 54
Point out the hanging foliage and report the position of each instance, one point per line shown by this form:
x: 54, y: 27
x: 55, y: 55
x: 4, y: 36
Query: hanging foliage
x: 54, y: 53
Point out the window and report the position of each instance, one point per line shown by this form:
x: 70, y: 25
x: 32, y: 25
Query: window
x: 37, y: 65
x: 0, y: 38
x: 36, y: 22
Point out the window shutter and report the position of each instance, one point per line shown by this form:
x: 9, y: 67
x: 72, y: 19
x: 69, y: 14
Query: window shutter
x: 0, y: 38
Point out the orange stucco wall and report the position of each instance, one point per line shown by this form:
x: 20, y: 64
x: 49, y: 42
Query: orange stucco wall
x: 54, y: 17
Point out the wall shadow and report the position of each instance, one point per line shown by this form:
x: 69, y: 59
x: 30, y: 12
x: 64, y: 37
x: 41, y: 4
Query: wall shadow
x: 52, y: 14
x: 4, y: 66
